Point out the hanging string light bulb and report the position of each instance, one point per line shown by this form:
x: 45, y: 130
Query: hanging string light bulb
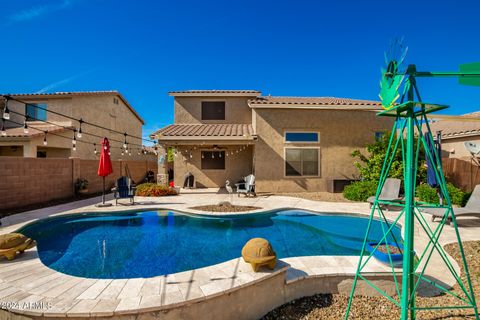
x: 3, y: 131
x: 95, y: 148
x: 213, y: 156
x: 6, y: 112
x: 125, y: 146
x: 203, y: 155
x: 220, y: 154
x: 45, y: 139
x: 74, y: 140
x: 122, y: 152
x: 25, y: 127
x: 79, y: 133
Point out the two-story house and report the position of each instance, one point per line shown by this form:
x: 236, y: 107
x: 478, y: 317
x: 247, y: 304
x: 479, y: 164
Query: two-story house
x: 49, y: 118
x: 289, y: 143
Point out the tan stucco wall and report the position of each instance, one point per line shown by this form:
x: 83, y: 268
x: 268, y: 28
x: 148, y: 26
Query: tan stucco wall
x: 341, y: 132
x: 237, y: 166
x: 189, y: 110
x: 98, y: 109
x: 455, y: 148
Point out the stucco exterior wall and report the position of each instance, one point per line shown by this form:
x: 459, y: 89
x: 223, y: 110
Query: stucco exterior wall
x: 455, y: 148
x: 189, y: 110
x: 341, y: 132
x: 237, y: 166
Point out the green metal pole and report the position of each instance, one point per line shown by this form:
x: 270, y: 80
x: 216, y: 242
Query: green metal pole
x: 407, y: 279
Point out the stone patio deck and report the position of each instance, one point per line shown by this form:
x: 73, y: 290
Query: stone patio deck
x: 29, y: 288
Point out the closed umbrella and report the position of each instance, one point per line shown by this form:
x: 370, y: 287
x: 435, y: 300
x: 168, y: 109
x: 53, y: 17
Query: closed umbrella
x: 105, y: 167
x: 434, y: 147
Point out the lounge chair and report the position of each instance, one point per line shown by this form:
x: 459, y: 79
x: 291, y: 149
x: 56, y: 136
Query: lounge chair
x: 124, y: 189
x: 390, y: 191
x: 247, y: 188
x: 471, y: 209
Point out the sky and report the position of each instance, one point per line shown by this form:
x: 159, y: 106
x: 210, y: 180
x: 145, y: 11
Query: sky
x: 144, y: 49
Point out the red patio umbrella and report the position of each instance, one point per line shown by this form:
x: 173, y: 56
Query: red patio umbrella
x: 105, y: 166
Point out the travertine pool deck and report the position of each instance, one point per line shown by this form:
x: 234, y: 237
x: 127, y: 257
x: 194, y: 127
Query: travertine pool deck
x: 26, y: 282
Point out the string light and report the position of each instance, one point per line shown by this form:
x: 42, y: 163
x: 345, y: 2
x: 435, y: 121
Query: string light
x: 45, y: 139
x: 74, y: 140
x: 4, y: 132
x: 74, y: 148
x: 125, y: 142
x: 95, y: 148
x: 6, y: 112
x: 25, y: 127
x: 220, y: 154
x: 79, y: 134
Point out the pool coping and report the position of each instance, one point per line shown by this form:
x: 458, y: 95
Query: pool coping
x: 86, y: 303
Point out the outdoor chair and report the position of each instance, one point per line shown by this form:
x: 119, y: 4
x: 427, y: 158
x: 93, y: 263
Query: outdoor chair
x: 471, y: 209
x: 390, y: 192
x: 124, y: 189
x: 248, y: 187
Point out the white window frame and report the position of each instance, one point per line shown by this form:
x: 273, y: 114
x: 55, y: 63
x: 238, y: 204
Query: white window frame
x: 301, y: 131
x: 301, y: 176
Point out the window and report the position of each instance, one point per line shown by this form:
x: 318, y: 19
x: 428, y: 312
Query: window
x: 41, y: 154
x: 213, y: 110
x: 301, y: 162
x: 213, y: 160
x: 301, y: 137
x: 379, y: 135
x: 36, y: 111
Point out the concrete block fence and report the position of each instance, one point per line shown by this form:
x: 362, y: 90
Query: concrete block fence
x: 26, y: 181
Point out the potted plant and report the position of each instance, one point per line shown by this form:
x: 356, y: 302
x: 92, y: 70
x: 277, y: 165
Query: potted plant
x: 81, y: 186
x: 381, y: 254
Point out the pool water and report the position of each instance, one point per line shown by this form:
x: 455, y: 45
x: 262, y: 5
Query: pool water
x: 151, y: 243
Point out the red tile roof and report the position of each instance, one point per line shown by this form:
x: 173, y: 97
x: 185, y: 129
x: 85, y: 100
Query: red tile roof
x: 34, y: 129
x: 314, y: 101
x: 206, y: 130
x: 216, y: 91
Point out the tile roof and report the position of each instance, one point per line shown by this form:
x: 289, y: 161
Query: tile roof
x: 17, y: 132
x: 240, y: 131
x: 75, y: 93
x: 453, y: 128
x: 314, y: 101
x: 216, y: 91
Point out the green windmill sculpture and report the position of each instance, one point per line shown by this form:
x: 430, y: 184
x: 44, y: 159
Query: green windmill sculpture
x: 410, y: 133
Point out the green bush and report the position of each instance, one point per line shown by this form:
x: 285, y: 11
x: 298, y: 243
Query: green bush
x: 360, y: 190
x: 154, y: 190
x: 428, y: 194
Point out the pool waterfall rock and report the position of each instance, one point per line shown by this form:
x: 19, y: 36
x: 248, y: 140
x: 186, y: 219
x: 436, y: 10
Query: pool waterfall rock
x: 259, y: 252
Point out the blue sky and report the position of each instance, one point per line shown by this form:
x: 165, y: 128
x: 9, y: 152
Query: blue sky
x: 293, y: 48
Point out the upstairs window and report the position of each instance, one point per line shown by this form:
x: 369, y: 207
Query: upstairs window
x: 302, y: 137
x: 36, y: 111
x: 213, y: 110
x: 213, y: 160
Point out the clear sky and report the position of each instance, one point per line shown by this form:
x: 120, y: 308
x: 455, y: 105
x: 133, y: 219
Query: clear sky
x: 292, y: 48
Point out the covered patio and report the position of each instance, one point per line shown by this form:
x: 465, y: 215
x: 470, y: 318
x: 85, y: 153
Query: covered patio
x: 212, y: 153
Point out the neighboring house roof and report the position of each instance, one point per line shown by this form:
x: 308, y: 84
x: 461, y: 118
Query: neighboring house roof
x: 205, y: 131
x: 313, y: 102
x: 73, y: 94
x: 221, y: 93
x: 457, y: 126
x: 17, y: 132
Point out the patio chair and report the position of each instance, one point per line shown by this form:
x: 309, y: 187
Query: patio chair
x: 124, y: 189
x: 247, y: 188
x: 471, y: 209
x: 390, y: 191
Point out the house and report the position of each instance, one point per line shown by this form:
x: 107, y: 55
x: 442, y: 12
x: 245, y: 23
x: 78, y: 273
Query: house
x: 289, y: 143
x: 51, y: 117
x: 455, y: 131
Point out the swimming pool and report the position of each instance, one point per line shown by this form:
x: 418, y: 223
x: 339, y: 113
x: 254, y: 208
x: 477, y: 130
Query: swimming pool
x: 152, y: 243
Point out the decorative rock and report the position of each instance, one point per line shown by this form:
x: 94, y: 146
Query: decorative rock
x: 258, y: 252
x: 12, y: 243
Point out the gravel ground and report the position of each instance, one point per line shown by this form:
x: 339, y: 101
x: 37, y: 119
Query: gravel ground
x: 318, y: 196
x: 332, y: 306
x: 225, y: 207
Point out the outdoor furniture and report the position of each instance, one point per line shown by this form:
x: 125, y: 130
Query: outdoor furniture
x: 258, y: 252
x: 12, y: 243
x: 124, y: 189
x: 472, y: 208
x: 247, y: 188
x: 390, y: 191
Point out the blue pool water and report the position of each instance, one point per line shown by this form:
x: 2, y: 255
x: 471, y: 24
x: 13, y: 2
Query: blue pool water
x: 152, y: 243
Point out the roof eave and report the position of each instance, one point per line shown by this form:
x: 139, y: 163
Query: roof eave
x: 214, y: 94
x: 312, y: 106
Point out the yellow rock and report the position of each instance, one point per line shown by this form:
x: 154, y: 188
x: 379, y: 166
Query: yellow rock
x: 12, y: 243
x: 258, y: 252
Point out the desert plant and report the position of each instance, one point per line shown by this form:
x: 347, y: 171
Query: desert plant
x: 360, y: 190
x: 81, y: 184
x: 154, y: 190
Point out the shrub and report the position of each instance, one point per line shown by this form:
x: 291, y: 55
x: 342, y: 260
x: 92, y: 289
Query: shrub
x: 428, y: 194
x: 154, y: 190
x: 360, y: 190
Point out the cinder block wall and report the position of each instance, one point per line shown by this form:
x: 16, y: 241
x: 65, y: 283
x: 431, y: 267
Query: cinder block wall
x: 26, y: 181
